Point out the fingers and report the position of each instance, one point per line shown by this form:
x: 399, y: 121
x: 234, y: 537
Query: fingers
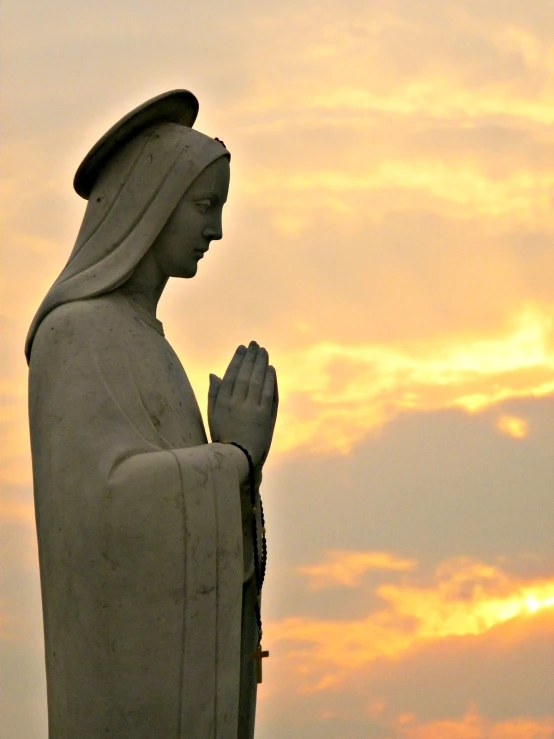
x: 255, y: 387
x: 269, y: 388
x: 275, y: 405
x: 230, y: 377
x: 243, y: 405
x: 246, y: 377
x: 245, y: 371
x: 213, y: 391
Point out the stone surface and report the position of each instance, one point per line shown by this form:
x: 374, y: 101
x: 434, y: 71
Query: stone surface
x: 144, y: 527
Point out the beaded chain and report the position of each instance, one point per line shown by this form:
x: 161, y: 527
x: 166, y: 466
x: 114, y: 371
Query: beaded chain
x: 260, y: 562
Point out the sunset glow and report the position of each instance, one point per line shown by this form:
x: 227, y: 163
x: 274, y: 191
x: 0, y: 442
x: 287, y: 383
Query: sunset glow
x: 389, y: 238
x: 512, y: 426
x: 353, y: 389
x: 346, y: 568
x: 465, y: 598
x: 473, y: 726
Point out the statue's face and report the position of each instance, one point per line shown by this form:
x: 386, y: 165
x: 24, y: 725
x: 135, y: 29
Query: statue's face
x: 195, y: 222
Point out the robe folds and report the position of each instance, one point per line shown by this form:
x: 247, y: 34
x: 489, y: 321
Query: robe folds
x: 144, y: 537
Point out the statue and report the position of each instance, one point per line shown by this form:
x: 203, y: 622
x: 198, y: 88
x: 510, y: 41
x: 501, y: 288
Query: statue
x: 151, y: 539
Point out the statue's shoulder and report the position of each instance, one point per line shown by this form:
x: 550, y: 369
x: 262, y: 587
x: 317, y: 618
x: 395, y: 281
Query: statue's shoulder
x: 100, y: 312
x: 79, y: 323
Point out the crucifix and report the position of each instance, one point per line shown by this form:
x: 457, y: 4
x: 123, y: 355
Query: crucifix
x: 258, y: 655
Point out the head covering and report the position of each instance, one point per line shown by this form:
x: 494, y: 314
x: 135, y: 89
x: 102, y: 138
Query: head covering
x: 176, y: 106
x: 133, y: 185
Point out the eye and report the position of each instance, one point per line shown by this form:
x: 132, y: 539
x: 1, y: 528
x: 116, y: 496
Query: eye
x: 204, y: 204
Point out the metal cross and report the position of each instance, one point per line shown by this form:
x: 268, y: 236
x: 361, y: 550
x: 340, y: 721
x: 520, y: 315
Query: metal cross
x: 258, y: 655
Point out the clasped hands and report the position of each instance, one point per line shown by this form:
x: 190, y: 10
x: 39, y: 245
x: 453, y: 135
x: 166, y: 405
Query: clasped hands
x: 242, y: 407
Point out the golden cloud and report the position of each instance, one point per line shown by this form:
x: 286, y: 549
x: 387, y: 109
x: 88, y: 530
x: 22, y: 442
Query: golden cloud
x: 536, y: 54
x: 513, y: 426
x: 346, y: 568
x: 473, y: 726
x: 523, y: 197
x: 465, y: 598
x: 434, y: 95
x: 334, y: 394
x: 395, y: 62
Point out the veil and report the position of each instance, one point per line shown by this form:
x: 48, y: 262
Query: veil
x: 128, y: 206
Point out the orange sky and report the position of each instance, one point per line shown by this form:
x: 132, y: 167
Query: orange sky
x: 388, y: 237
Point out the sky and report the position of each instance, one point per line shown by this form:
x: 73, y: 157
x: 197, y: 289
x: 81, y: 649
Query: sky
x: 389, y: 238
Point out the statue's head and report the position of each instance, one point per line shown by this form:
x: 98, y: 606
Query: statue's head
x: 151, y: 182
x: 195, y: 222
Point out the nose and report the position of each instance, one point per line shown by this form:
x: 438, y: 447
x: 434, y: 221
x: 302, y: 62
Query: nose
x: 214, y: 229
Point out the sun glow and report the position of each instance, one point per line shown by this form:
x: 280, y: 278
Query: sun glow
x: 515, y: 427
x: 465, y: 598
x: 473, y: 726
x: 460, y: 185
x: 469, y: 598
x: 346, y: 391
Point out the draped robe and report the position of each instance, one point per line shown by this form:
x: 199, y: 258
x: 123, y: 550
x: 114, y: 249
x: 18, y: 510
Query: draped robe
x: 144, y: 536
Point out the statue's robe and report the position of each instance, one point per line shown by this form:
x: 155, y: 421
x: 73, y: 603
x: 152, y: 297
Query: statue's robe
x: 144, y: 537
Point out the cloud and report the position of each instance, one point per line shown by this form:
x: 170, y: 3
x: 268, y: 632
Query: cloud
x: 439, y: 58
x: 468, y: 598
x: 389, y: 238
x: 473, y: 726
x: 513, y: 426
x: 464, y: 598
x: 502, y: 676
x: 462, y: 188
x: 346, y: 568
x: 334, y: 394
x: 376, y: 193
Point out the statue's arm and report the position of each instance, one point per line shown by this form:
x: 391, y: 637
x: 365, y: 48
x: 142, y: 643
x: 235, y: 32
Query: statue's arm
x: 95, y: 453
x: 84, y: 398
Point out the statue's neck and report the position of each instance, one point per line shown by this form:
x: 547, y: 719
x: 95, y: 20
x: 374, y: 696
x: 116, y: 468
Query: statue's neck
x: 146, y: 284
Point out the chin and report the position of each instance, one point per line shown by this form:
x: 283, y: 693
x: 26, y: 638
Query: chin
x: 187, y: 272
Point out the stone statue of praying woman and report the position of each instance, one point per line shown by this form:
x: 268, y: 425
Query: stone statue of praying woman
x: 151, y: 541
